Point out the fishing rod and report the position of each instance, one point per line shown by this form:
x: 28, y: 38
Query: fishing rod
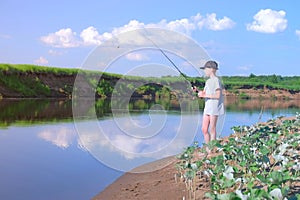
x: 181, y: 73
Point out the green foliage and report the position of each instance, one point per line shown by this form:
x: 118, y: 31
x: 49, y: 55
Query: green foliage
x: 24, y: 79
x: 13, y: 68
x: 258, y: 82
x: 104, y: 88
x: 257, y: 162
x: 26, y: 86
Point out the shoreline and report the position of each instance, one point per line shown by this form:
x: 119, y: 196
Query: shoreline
x: 242, y: 94
x: 159, y: 185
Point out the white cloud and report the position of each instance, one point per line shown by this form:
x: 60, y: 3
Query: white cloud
x: 298, y: 33
x: 132, y: 25
x: 212, y: 23
x: 268, y: 21
x: 182, y: 25
x: 64, y: 38
x: 90, y: 36
x: 5, y: 36
x: 136, y: 56
x: 244, y: 68
x: 41, y: 61
x: 55, y: 53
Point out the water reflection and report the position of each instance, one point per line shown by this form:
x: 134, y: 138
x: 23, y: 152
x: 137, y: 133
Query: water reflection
x: 123, y: 152
x: 60, y: 136
x: 36, y: 163
x: 34, y: 111
x: 242, y: 105
x: 138, y: 130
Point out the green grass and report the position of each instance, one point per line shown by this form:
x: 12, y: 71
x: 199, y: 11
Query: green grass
x: 258, y: 82
x: 11, y: 68
x: 16, y: 78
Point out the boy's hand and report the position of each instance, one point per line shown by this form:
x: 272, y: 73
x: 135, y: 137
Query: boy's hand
x: 201, y: 94
x: 195, y: 89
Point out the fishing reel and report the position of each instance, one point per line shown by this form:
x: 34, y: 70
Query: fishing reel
x: 194, y: 88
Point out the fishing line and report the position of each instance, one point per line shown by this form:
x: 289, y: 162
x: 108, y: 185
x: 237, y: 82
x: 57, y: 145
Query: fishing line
x: 166, y: 56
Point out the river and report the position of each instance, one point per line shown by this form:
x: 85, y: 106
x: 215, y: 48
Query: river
x: 47, y: 153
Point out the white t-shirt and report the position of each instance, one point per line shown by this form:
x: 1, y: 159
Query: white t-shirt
x: 213, y: 106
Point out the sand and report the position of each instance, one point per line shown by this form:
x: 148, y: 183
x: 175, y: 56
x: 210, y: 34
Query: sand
x: 153, y: 185
x: 158, y: 185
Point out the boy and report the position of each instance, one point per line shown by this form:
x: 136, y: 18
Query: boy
x: 214, y: 101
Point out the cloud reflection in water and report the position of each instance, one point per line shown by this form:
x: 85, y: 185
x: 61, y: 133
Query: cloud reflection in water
x: 59, y: 136
x: 109, y: 144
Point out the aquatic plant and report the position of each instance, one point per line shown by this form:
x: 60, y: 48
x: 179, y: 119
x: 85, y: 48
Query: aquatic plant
x: 261, y: 161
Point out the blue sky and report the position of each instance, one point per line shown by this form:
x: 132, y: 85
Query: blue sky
x: 257, y: 36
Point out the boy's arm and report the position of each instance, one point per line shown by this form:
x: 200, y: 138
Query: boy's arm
x: 216, y: 95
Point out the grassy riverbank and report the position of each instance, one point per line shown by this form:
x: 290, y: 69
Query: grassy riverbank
x: 31, y: 81
x: 260, y: 161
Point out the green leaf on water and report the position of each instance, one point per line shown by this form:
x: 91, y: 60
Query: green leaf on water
x: 254, y: 169
x: 243, y: 163
x: 227, y: 183
x: 276, y: 193
x: 264, y: 150
x: 210, y: 195
x: 199, y: 163
x: 228, y: 173
x: 285, y: 191
x: 261, y: 178
x: 241, y: 195
x: 194, y: 166
x: 223, y: 196
x: 276, y: 178
x: 190, y: 174
x: 282, y: 148
x: 250, y: 185
x: 265, y: 159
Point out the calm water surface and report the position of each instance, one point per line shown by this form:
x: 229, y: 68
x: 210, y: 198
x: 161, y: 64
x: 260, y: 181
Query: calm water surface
x: 42, y: 156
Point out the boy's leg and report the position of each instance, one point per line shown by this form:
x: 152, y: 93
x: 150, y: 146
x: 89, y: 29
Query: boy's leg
x: 213, y: 127
x: 205, y: 125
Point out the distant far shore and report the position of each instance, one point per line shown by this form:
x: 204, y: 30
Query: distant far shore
x: 30, y: 81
